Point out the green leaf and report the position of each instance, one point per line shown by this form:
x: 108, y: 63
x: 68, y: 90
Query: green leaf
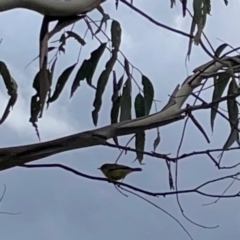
x: 126, y: 67
x: 115, y: 87
x: 120, y: 82
x: 93, y: 62
x: 101, y: 85
x: 76, y: 36
x: 116, y: 33
x: 12, y: 88
x: 233, y: 116
x: 52, y: 70
x: 232, y: 104
x: 61, y: 82
x: 115, y: 110
x: 105, y: 18
x: 157, y: 140
x: 36, y: 106
x: 116, y: 99
x: 139, y: 106
x: 148, y: 92
x: 126, y: 103
x: 139, y: 145
x: 233, y: 136
x: 35, y: 110
x: 201, y: 9
x: 88, y: 68
x: 220, y: 84
x: 220, y: 49
x: 50, y: 80
x: 184, y: 7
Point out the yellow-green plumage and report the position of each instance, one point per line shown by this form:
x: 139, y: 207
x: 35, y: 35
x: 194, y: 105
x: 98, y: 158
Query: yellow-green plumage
x: 115, y: 172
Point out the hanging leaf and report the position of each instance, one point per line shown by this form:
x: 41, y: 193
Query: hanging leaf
x: 50, y: 80
x: 115, y: 110
x: 126, y: 103
x: 173, y: 2
x: 126, y: 67
x: 61, y: 82
x: 35, y: 110
x: 220, y: 84
x: 201, y: 9
x: 139, y: 136
x: 116, y: 4
x: 115, y: 87
x: 62, y: 39
x: 184, y: 7
x: 102, y: 82
x: 120, y: 82
x: 157, y: 140
x: 232, y: 138
x: 88, y: 68
x: 76, y: 36
x: 232, y: 104
x: 101, y: 85
x: 12, y: 88
x: 220, y: 49
x: 35, y: 107
x: 139, y: 106
x: 226, y: 2
x: 116, y: 98
x: 139, y: 145
x: 116, y: 32
x: 190, y: 43
x: 44, y: 82
x: 148, y: 92
x: 233, y: 116
x: 105, y: 18
x: 52, y: 70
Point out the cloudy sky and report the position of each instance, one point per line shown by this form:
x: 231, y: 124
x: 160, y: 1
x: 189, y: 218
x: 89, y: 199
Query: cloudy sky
x: 58, y: 205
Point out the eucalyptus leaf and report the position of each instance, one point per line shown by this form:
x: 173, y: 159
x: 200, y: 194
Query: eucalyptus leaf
x: 139, y: 145
x: 35, y: 110
x: 115, y: 110
x: 12, y: 88
x: 233, y: 137
x: 139, y: 106
x: 101, y: 85
x: 116, y: 33
x: 220, y: 49
x: 233, y: 116
x: 88, y: 68
x: 76, y: 36
x: 157, y: 140
x: 62, y: 80
x: 148, y: 92
x: 220, y: 84
x: 120, y: 82
x: 126, y: 101
x: 126, y: 67
x: 232, y: 104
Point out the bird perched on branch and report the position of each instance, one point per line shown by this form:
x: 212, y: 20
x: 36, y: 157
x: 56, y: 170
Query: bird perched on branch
x: 115, y: 172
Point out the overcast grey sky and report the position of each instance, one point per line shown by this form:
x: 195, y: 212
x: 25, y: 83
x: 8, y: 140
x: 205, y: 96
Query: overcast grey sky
x: 58, y: 205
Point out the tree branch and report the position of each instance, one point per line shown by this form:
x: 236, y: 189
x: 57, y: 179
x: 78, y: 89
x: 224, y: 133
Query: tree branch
x: 51, y: 7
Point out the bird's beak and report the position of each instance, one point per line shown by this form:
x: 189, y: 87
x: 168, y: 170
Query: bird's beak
x: 99, y: 168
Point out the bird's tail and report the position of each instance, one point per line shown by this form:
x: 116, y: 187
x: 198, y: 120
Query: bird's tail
x: 137, y: 169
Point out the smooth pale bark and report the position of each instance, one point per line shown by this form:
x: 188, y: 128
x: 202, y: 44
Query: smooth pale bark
x: 172, y: 112
x: 51, y: 7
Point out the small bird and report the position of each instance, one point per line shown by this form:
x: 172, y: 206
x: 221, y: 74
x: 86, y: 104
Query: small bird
x: 115, y: 172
